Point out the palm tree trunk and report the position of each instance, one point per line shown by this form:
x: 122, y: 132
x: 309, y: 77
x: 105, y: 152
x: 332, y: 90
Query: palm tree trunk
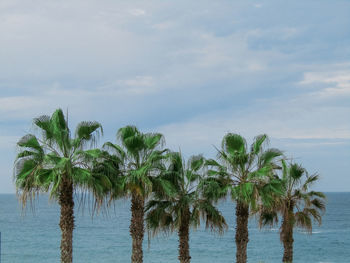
x: 287, y: 238
x: 67, y: 221
x: 184, y: 248
x: 242, y: 214
x: 137, y: 227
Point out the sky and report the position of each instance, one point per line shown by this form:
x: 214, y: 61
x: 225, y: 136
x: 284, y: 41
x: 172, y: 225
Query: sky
x: 192, y: 70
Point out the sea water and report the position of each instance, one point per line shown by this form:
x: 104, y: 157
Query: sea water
x: 34, y: 236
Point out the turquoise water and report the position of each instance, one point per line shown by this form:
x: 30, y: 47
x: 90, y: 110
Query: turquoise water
x: 35, y: 237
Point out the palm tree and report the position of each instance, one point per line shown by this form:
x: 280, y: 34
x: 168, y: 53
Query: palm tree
x: 297, y: 206
x: 140, y: 157
x: 247, y: 175
x: 185, y: 205
x: 57, y: 163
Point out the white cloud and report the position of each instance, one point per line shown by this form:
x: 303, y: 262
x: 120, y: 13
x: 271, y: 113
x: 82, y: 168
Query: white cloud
x: 21, y: 107
x: 47, y: 98
x: 137, y: 12
x: 337, y: 82
x: 139, y: 85
x: 299, y: 117
x: 18, y: 103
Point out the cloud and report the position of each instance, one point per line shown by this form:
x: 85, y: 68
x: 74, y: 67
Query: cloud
x: 312, y: 143
x: 137, y: 12
x: 308, y: 114
x: 192, y: 71
x: 336, y: 82
x: 22, y: 107
x: 46, y: 99
x: 282, y: 120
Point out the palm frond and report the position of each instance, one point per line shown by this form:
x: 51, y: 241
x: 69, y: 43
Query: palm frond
x: 268, y: 218
x: 269, y: 156
x: 196, y: 162
x: 160, y: 216
x: 152, y: 140
x: 303, y: 220
x: 233, y: 143
x: 214, y: 220
x: 296, y: 171
x: 60, y: 131
x: 43, y: 122
x: 31, y: 142
x: 318, y: 204
x: 87, y: 131
x: 115, y: 148
x: 309, y: 181
x: 131, y: 139
x: 258, y: 142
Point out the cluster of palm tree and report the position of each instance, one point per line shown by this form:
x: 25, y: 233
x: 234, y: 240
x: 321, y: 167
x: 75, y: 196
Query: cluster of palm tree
x: 167, y: 192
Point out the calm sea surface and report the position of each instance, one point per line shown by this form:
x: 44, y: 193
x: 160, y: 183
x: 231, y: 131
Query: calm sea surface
x: 35, y: 237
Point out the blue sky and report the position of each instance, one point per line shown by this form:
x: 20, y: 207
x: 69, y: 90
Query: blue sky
x: 193, y: 70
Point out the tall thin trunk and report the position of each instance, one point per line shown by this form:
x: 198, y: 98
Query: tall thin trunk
x: 67, y: 221
x: 137, y: 227
x: 287, y: 236
x: 242, y: 214
x: 184, y: 247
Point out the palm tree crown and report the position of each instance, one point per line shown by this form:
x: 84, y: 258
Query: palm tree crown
x: 140, y: 159
x: 58, y: 163
x: 247, y: 174
x: 298, y: 205
x: 185, y: 205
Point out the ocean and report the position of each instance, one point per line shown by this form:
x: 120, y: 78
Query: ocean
x: 34, y: 236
